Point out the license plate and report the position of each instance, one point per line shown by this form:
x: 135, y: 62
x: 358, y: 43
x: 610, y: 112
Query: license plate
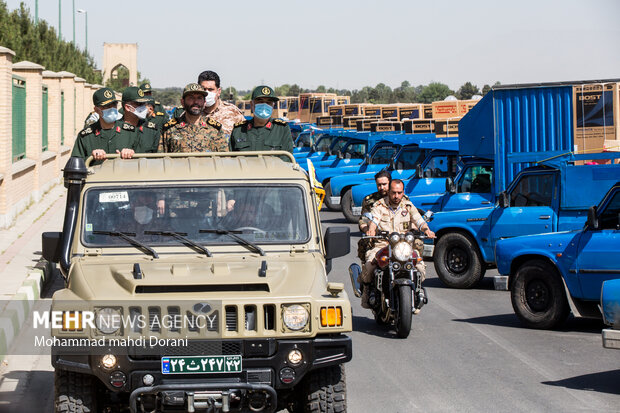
x: 200, y: 364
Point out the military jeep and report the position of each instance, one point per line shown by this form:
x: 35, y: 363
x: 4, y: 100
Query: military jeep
x: 197, y: 282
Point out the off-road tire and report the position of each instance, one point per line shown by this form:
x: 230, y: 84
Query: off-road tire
x: 74, y: 392
x: 538, y: 296
x: 325, y: 391
x: 457, y: 261
x: 346, y: 202
x: 328, y: 193
x: 402, y: 323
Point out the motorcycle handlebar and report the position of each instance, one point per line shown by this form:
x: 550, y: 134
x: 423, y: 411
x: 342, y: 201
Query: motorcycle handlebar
x: 386, y: 235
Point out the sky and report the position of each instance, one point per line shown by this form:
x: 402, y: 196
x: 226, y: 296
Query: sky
x: 349, y: 44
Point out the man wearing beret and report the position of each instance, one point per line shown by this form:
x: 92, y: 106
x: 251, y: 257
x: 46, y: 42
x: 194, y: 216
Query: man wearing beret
x: 193, y: 131
x: 262, y: 133
x: 105, y: 135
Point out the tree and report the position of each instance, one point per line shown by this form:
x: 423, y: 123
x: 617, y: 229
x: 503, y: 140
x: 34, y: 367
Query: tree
x: 433, y: 92
x: 321, y: 89
x: 485, y: 89
x: 467, y: 91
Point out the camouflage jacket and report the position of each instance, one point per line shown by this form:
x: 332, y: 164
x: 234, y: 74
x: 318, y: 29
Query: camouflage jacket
x: 205, y: 136
x: 227, y: 114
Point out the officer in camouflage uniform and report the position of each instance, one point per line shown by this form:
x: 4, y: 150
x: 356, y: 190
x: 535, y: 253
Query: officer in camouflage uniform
x: 262, y: 133
x: 225, y: 113
x: 193, y: 132
x: 107, y: 135
x: 392, y: 214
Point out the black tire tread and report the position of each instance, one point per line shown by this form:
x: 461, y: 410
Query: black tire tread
x: 325, y: 391
x: 346, y: 203
x: 328, y: 193
x: 74, y: 392
x: 478, y: 268
x: 403, y: 319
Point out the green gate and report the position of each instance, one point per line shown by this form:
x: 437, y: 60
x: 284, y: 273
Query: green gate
x: 62, y: 118
x: 44, y: 120
x: 19, y: 118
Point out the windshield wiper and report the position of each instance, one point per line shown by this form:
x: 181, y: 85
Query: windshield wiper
x: 180, y: 237
x: 127, y: 237
x: 232, y: 234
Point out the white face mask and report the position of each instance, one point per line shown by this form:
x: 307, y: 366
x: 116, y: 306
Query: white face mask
x: 210, y: 99
x: 143, y: 215
x: 141, y: 111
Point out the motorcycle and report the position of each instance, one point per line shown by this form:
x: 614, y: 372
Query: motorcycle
x: 396, y: 292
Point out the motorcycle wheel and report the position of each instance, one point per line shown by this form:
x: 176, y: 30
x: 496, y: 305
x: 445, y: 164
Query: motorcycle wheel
x: 403, y: 312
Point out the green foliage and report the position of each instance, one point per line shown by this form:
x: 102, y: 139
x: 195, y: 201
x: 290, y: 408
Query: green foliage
x: 467, y: 91
x: 170, y: 96
x: 485, y: 89
x: 40, y: 44
x: 433, y: 92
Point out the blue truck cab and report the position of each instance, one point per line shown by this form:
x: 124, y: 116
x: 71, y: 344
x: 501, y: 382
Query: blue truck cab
x: 550, y: 197
x: 552, y: 274
x: 323, y: 147
x: 610, y: 306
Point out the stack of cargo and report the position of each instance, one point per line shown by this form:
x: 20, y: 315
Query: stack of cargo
x: 596, y: 117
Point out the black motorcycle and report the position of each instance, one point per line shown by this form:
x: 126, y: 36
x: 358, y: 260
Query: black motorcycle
x: 397, y: 291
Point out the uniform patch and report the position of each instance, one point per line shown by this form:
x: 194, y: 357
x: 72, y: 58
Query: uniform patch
x: 159, y: 113
x: 243, y: 122
x: 405, y: 225
x: 86, y: 132
x: 151, y: 125
x: 127, y: 126
x: 107, y: 94
x: 214, y: 123
x: 279, y: 121
x: 404, y: 212
x: 170, y: 123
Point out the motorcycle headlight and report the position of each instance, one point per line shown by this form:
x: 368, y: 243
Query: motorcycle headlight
x: 295, y: 317
x: 395, y: 237
x: 402, y: 251
x: 108, y: 320
x: 409, y: 237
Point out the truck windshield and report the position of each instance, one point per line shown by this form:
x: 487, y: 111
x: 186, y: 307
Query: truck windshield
x: 356, y: 150
x: 610, y: 217
x: 324, y: 143
x: 440, y: 166
x: 383, y: 155
x: 533, y: 190
x: 339, y: 145
x: 257, y: 213
x: 409, y: 158
x: 477, y: 179
x: 304, y: 140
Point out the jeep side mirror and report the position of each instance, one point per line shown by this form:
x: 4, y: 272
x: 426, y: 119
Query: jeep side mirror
x: 503, y: 200
x: 337, y: 242
x: 450, y: 186
x: 592, y: 221
x: 418, y: 171
x: 51, y: 246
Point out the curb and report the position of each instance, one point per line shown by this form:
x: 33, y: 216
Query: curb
x: 18, y: 309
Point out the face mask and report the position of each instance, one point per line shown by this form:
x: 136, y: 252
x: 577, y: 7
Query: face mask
x: 210, y: 99
x: 263, y: 110
x: 143, y: 215
x: 110, y: 115
x: 141, y: 111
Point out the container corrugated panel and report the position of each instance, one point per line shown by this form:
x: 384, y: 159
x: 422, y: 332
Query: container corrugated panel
x: 508, y: 123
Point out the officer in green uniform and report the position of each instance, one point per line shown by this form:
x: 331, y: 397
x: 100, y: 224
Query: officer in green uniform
x: 134, y: 122
x: 159, y: 113
x: 106, y: 135
x: 262, y: 133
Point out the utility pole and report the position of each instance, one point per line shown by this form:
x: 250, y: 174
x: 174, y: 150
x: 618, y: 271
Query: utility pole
x: 59, y: 20
x: 36, y: 12
x: 73, y: 9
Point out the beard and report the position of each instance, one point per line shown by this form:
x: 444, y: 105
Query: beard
x: 193, y: 110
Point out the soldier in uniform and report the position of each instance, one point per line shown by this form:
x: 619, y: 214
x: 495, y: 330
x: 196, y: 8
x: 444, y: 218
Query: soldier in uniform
x: 393, y: 214
x: 262, y: 133
x: 215, y: 108
x: 158, y: 109
x: 193, y: 132
x: 382, y: 179
x: 134, y: 120
x: 105, y: 135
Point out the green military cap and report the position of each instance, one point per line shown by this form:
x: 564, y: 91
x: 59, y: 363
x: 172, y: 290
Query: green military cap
x: 264, y: 92
x: 134, y: 94
x: 104, y: 96
x: 146, y: 87
x: 194, y: 88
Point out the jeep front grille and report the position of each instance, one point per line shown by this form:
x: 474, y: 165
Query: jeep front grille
x: 194, y: 348
x: 231, y: 318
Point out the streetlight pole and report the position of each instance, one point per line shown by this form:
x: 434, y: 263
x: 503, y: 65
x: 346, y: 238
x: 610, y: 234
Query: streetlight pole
x: 36, y: 12
x: 59, y: 20
x: 73, y: 22
x: 85, y: 13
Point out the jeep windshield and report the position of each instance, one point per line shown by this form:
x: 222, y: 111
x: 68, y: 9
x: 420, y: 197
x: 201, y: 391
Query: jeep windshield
x: 259, y: 214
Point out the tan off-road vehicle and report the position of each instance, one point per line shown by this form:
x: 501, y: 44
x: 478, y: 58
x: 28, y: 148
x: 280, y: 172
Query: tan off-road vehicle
x: 197, y: 282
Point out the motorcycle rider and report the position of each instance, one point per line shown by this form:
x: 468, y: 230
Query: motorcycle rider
x: 382, y: 179
x: 393, y: 214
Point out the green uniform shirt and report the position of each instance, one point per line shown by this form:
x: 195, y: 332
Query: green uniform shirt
x: 149, y: 136
x: 120, y: 136
x: 274, y: 136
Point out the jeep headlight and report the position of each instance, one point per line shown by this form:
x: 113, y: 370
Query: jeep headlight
x: 402, y: 251
x: 295, y: 317
x: 108, y: 320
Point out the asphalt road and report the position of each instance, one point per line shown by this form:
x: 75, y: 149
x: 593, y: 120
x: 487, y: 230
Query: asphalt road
x: 466, y: 353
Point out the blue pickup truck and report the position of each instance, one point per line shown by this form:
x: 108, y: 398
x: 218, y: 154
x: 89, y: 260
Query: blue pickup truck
x: 550, y: 197
x: 610, y: 306
x: 553, y: 274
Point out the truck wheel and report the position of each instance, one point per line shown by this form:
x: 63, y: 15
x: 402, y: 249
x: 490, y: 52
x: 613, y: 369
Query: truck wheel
x: 328, y: 194
x: 538, y: 296
x: 403, y: 312
x: 75, y: 392
x: 457, y: 261
x: 325, y: 391
x: 346, y: 202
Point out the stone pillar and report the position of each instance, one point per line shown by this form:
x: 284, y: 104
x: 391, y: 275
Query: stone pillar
x: 6, y: 132
x: 79, y: 104
x: 32, y: 73
x: 67, y: 85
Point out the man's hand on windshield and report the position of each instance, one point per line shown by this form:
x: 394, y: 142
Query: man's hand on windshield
x: 161, y: 206
x: 230, y: 205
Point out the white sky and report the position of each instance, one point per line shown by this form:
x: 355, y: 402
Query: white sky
x: 353, y: 43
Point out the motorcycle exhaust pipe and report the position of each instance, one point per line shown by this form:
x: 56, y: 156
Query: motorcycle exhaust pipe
x: 354, y: 272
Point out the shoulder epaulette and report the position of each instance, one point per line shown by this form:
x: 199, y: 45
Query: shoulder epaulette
x: 151, y: 125
x: 127, y: 126
x: 159, y: 113
x: 170, y: 123
x: 214, y: 123
x: 243, y: 122
x: 279, y: 121
x: 86, y: 131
